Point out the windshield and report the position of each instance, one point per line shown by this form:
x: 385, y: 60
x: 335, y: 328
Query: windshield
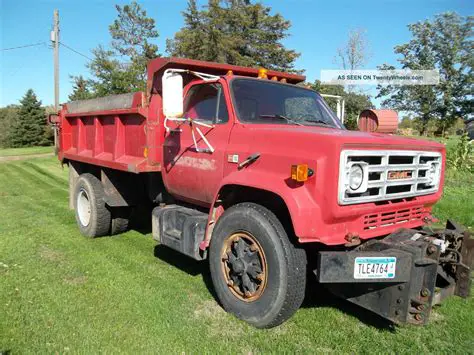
x: 264, y: 101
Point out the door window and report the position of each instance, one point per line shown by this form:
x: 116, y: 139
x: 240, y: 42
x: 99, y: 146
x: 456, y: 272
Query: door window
x: 206, y: 102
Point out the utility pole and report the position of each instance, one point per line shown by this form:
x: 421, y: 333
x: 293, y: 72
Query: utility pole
x: 55, y: 40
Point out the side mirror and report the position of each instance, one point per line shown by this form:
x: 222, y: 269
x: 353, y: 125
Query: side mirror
x: 172, y: 86
x: 53, y: 119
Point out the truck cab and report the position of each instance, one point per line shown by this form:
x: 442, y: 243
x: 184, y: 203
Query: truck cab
x: 255, y: 173
x: 356, y: 176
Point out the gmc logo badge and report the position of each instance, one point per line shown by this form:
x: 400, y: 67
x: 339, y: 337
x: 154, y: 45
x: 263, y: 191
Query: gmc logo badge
x: 397, y: 175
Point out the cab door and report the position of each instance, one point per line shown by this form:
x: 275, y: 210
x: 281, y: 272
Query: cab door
x: 194, y: 150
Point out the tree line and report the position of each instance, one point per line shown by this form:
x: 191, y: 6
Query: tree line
x: 242, y: 32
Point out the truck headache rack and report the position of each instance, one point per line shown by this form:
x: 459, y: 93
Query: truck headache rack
x: 430, y: 267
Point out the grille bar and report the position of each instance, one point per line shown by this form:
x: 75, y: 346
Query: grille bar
x: 386, y: 219
x: 391, y: 174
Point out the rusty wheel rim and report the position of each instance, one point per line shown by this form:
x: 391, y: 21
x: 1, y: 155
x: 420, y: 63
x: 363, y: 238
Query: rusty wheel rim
x: 244, y: 266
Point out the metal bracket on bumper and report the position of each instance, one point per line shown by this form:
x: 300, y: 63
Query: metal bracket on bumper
x: 430, y: 266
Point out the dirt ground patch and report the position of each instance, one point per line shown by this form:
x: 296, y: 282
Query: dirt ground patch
x: 76, y: 280
x: 211, y: 312
x: 49, y: 254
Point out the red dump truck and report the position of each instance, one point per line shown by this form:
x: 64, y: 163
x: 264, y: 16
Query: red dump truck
x: 257, y: 175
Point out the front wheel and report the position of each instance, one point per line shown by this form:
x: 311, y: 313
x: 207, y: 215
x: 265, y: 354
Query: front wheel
x: 258, y: 274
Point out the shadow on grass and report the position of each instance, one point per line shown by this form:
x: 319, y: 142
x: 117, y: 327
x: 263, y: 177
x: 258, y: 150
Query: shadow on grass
x: 186, y: 264
x: 316, y: 295
x: 140, y: 220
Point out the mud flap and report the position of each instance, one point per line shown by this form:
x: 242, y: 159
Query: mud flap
x: 430, y: 266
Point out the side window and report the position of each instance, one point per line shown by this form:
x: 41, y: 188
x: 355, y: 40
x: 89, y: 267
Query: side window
x: 206, y: 102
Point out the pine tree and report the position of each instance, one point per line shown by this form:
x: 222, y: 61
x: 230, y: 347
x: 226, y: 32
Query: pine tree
x: 190, y: 40
x: 234, y: 32
x: 30, y: 127
x: 121, y: 67
x: 81, y: 89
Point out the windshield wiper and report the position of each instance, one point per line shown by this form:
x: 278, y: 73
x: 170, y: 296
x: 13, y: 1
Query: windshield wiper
x: 281, y: 117
x: 318, y: 121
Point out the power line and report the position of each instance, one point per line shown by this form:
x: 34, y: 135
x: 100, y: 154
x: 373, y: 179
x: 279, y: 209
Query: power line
x: 25, y: 46
x: 21, y: 65
x: 72, y: 49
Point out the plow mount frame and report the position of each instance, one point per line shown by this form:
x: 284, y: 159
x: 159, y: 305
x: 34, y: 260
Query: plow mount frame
x: 431, y: 265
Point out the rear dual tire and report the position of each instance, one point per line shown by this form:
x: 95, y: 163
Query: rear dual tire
x: 265, y: 285
x: 94, y: 218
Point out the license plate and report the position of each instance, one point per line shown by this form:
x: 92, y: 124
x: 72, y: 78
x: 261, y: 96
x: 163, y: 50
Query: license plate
x: 374, y: 267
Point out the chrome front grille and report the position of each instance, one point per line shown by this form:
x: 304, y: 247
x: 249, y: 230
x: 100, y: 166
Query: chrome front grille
x: 390, y: 174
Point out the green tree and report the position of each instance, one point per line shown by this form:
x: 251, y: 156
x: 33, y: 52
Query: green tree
x: 444, y: 44
x: 406, y: 122
x: 81, y: 89
x: 121, y: 67
x: 234, y: 32
x: 189, y: 41
x: 8, y: 118
x: 30, y: 127
x: 355, y: 102
x: 453, y: 46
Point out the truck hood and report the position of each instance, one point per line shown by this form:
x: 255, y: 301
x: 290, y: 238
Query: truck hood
x: 346, y: 138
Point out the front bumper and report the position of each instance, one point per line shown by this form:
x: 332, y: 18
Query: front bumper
x: 430, y: 266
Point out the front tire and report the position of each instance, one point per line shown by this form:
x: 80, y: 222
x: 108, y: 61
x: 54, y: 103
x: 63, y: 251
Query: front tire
x: 258, y: 274
x: 92, y: 215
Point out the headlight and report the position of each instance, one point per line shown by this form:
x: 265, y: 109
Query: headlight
x: 433, y: 173
x: 356, y: 177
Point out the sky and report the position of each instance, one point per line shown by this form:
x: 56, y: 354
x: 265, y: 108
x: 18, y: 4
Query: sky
x: 318, y: 29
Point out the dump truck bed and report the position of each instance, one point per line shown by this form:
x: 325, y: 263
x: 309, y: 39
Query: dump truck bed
x: 108, y: 131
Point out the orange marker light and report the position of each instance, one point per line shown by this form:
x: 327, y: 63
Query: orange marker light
x: 299, y: 172
x: 262, y: 73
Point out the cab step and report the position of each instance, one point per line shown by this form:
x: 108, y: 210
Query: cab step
x: 180, y: 228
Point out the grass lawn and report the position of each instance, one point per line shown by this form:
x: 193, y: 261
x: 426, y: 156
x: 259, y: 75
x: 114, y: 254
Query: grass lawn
x: 61, y: 292
x: 25, y: 151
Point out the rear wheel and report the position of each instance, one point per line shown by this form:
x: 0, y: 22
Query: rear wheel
x: 258, y: 274
x: 120, y: 220
x: 92, y: 215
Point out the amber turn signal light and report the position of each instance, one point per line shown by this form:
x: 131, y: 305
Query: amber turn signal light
x: 262, y: 73
x: 300, y: 172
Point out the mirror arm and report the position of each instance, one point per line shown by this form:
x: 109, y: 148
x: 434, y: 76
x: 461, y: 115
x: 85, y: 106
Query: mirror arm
x: 210, y: 147
x: 203, y: 76
x: 176, y: 119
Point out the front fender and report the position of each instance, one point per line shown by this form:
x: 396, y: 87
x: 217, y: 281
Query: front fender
x: 304, y: 211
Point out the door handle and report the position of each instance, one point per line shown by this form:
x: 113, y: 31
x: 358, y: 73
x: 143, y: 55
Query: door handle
x: 250, y: 159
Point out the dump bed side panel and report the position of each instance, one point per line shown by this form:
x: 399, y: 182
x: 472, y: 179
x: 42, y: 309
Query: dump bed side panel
x: 109, y: 132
